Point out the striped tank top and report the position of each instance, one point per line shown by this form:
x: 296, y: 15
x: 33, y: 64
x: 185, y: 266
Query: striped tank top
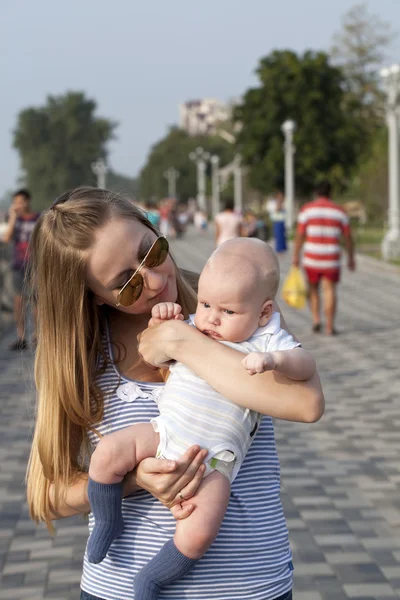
x: 250, y: 558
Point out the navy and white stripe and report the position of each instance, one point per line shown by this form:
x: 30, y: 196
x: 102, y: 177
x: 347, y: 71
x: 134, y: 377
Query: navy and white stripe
x: 251, y: 557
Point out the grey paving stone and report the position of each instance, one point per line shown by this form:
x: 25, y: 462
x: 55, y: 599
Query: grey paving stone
x: 340, y: 477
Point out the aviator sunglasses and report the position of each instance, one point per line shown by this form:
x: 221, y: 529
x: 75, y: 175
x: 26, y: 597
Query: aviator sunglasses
x: 156, y: 256
x: 132, y: 290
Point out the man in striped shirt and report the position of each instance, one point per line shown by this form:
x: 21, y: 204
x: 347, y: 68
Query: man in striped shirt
x: 321, y: 225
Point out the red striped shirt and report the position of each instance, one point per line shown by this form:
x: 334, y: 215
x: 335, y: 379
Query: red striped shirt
x: 322, y: 222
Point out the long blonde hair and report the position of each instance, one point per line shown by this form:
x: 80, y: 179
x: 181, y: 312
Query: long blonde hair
x: 69, y: 329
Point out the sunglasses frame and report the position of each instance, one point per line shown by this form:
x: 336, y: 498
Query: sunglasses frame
x: 160, y: 237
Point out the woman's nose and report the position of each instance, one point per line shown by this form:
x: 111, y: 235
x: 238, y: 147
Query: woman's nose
x: 152, y: 279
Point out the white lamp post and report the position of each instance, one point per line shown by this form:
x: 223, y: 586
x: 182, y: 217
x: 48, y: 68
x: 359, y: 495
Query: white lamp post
x: 215, y: 185
x: 99, y: 168
x: 288, y: 128
x: 199, y: 156
x: 171, y: 175
x: 238, y: 188
x: 391, y: 83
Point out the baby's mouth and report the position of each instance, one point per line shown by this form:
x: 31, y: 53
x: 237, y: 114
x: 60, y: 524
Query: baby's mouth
x: 212, y: 334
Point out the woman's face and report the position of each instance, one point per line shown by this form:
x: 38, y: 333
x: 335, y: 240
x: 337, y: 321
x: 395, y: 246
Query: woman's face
x: 117, y: 251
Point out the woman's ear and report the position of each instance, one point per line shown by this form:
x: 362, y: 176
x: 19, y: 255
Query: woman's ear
x: 99, y: 301
x: 266, y: 313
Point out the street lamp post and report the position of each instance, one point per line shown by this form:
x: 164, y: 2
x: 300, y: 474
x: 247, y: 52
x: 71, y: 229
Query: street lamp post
x: 99, y: 168
x: 238, y: 188
x: 199, y: 157
x: 391, y: 82
x: 215, y: 185
x: 171, y: 175
x: 288, y: 128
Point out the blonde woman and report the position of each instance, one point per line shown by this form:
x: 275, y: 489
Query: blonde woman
x: 98, y: 268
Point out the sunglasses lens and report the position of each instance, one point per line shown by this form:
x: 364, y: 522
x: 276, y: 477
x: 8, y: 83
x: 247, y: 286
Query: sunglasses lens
x: 131, y: 293
x: 157, y: 254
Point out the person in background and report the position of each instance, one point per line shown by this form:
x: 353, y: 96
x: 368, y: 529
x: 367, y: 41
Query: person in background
x: 228, y: 224
x: 164, y: 217
x: 278, y: 224
x: 21, y: 222
x: 321, y: 224
x: 200, y: 220
x: 249, y: 226
x: 153, y: 214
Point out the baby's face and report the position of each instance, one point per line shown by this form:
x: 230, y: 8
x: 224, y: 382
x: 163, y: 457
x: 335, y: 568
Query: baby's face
x: 227, y: 308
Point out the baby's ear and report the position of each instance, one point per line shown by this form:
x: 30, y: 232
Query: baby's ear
x: 266, y: 313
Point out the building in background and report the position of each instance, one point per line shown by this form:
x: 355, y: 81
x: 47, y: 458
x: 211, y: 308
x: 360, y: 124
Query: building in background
x: 202, y: 117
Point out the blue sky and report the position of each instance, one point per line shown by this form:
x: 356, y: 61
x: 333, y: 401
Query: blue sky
x: 139, y: 60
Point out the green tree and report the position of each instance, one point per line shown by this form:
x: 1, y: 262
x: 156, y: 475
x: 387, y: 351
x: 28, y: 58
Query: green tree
x: 173, y: 151
x: 370, y: 182
x: 309, y: 90
x: 359, y: 49
x: 57, y: 143
x: 122, y: 184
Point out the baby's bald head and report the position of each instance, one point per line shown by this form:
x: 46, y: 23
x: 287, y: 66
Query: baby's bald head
x: 250, y: 262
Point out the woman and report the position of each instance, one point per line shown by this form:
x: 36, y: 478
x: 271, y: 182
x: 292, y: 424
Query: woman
x: 227, y: 224
x: 95, y: 284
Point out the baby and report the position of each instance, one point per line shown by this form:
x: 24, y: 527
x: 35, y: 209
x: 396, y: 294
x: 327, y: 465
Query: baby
x: 235, y: 306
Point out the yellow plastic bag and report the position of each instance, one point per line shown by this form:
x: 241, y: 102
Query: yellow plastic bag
x: 294, y: 290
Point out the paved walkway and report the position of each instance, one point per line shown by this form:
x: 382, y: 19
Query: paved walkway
x: 340, y: 477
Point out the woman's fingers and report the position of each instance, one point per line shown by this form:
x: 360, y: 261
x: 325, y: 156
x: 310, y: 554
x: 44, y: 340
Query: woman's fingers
x: 189, y: 490
x: 192, y: 469
x: 155, y: 465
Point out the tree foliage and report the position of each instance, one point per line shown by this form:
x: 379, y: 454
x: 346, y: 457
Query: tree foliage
x: 58, y: 142
x: 173, y: 151
x: 309, y: 90
x: 370, y: 182
x: 360, y: 49
x: 122, y: 184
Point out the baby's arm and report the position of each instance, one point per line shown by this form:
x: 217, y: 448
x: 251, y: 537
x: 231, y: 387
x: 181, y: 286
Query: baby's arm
x: 297, y: 363
x: 165, y: 311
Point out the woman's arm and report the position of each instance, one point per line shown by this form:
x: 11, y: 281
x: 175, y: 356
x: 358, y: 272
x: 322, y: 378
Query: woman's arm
x: 164, y: 479
x: 74, y: 499
x: 269, y: 393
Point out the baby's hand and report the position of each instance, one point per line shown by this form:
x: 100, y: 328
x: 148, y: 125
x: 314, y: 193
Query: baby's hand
x: 165, y: 311
x: 258, y: 362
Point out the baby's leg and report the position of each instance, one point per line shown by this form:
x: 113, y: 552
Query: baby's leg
x: 193, y: 536
x: 116, y: 454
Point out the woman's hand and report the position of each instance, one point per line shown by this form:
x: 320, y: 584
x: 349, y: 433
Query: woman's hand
x: 170, y: 481
x: 156, y: 344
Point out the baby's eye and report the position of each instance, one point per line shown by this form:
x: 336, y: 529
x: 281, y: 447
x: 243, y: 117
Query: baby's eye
x: 229, y: 312
x: 206, y: 305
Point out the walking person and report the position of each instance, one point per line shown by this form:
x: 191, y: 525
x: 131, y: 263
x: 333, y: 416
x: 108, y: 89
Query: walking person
x: 228, y: 224
x: 108, y: 268
x: 21, y: 223
x: 321, y: 225
x: 278, y: 218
